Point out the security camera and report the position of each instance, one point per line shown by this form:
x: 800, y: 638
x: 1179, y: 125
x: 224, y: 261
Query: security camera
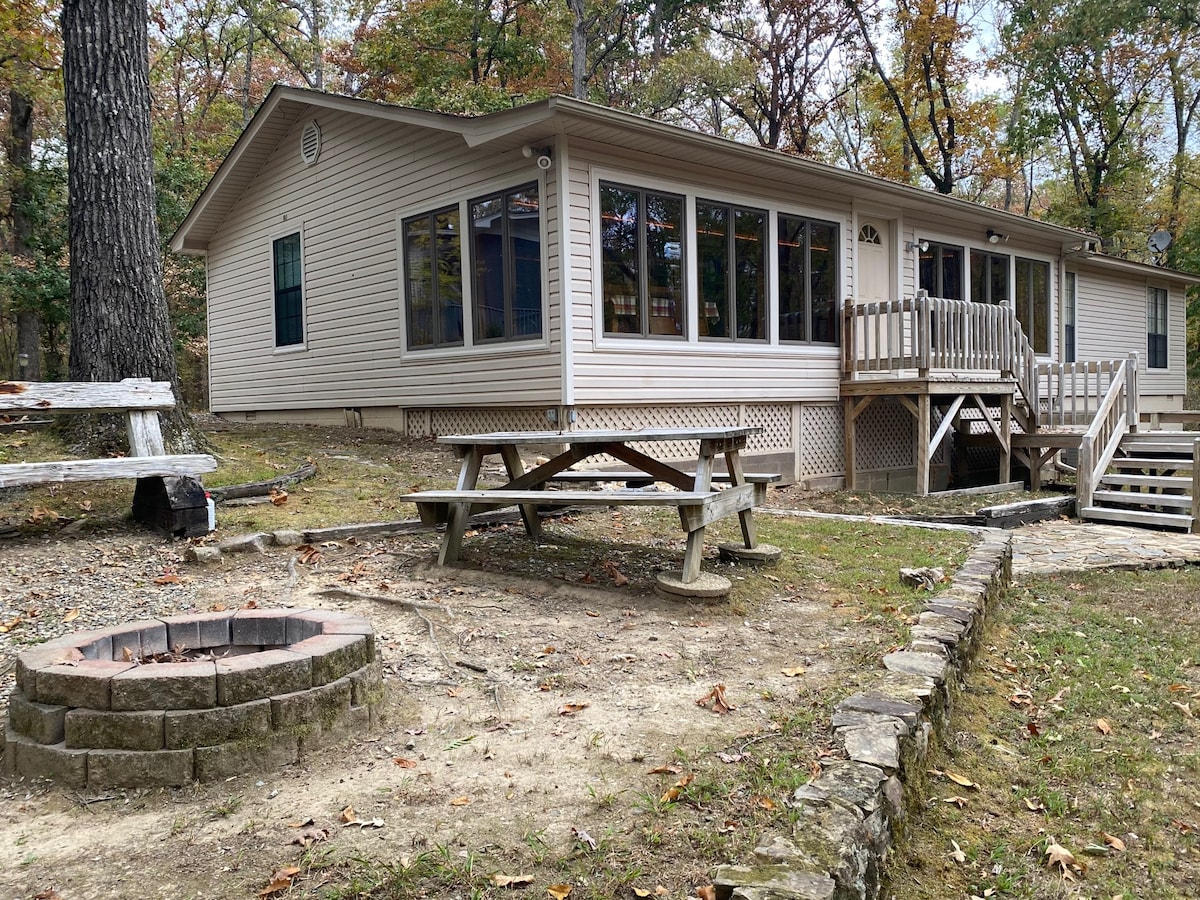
x: 544, y: 162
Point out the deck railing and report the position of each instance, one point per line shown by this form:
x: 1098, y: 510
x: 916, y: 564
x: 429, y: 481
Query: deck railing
x: 927, y: 335
x: 1116, y: 415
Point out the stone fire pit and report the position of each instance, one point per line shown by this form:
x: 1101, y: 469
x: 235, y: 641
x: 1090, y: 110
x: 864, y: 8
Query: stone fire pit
x: 192, y: 697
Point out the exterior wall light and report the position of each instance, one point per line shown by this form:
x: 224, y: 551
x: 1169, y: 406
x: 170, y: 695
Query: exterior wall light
x: 995, y: 237
x: 910, y: 246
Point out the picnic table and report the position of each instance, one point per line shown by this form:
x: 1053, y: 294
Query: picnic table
x: 699, y: 503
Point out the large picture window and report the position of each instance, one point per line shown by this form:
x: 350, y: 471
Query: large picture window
x: 989, y: 277
x: 289, y: 290
x: 1033, y: 302
x: 808, y: 298
x: 1156, y: 328
x: 641, y: 245
x: 731, y: 258
x: 940, y: 270
x: 506, y: 245
x: 433, y: 279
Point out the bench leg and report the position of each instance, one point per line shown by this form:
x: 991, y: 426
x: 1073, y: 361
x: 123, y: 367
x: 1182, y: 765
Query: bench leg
x: 456, y: 526
x: 515, y: 469
x: 733, y: 462
x: 691, y: 558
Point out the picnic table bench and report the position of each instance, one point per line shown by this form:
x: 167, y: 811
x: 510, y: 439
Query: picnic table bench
x: 140, y: 400
x: 698, y: 502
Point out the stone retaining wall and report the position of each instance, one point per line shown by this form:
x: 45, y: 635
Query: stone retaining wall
x: 90, y: 712
x: 846, y: 818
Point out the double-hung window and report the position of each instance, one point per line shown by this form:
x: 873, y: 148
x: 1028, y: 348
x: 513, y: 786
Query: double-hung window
x: 940, y: 270
x: 1033, y: 302
x: 506, y: 244
x: 1070, y: 289
x: 641, y: 247
x: 808, y: 297
x: 433, y: 299
x: 289, y: 290
x: 732, y: 263
x: 1156, y: 328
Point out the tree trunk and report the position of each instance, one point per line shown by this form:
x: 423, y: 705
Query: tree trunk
x: 579, y: 48
x: 20, y: 157
x: 119, y: 322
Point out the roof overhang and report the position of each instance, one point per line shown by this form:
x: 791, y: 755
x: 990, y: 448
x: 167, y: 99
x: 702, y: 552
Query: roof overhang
x: 1136, y: 269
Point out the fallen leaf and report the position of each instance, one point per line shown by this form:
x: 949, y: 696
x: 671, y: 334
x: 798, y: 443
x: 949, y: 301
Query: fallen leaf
x: 559, y: 891
x: 956, y: 800
x: 1176, y: 688
x: 71, y: 616
x: 720, y: 703
x: 1103, y: 727
x: 675, y: 790
x: 569, y: 709
x: 460, y: 801
x: 611, y: 570
x: 592, y: 613
x: 961, y: 780
x: 706, y: 892
x: 307, y: 554
x: 1034, y: 804
x: 1183, y: 708
x: 1058, y: 856
x: 281, y: 880
x: 348, y: 815
x: 731, y: 757
x: 764, y: 803
x: 665, y: 770
x: 278, y: 498
x: 793, y: 671
x: 48, y: 894
x: 310, y: 836
x: 169, y: 578
x: 511, y: 880
x: 1113, y: 841
x: 404, y: 763
x: 584, y: 838
x: 453, y: 691
x: 957, y: 853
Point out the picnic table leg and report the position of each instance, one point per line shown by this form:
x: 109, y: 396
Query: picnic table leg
x: 456, y: 521
x: 515, y: 469
x: 691, y: 558
x: 733, y: 462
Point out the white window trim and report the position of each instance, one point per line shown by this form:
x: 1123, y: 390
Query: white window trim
x: 470, y: 349
x: 718, y: 347
x: 284, y: 230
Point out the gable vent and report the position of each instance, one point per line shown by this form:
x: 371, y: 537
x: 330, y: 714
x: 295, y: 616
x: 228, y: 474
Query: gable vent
x: 310, y: 143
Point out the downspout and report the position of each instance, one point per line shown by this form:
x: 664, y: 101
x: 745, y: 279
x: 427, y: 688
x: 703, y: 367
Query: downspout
x: 566, y: 317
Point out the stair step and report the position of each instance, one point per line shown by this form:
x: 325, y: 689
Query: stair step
x: 1160, y: 442
x: 1141, y: 498
x: 1169, y: 482
x: 1137, y: 517
x: 1151, y: 462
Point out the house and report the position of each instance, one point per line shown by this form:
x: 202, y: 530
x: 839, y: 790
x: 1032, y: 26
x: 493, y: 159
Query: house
x: 565, y: 265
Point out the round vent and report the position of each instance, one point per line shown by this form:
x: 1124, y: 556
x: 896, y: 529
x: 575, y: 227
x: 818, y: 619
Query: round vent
x: 310, y: 143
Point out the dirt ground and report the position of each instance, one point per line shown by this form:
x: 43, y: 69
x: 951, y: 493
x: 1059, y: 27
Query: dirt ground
x: 523, y: 717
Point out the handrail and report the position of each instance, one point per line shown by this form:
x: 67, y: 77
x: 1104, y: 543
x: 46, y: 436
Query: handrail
x: 1112, y: 420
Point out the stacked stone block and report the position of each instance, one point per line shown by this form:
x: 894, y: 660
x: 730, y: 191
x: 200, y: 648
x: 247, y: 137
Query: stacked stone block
x: 90, y: 711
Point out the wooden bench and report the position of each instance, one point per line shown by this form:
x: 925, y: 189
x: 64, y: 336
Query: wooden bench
x: 697, y: 509
x: 140, y: 400
x: 641, y: 479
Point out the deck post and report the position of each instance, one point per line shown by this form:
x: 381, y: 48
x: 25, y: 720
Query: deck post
x: 923, y: 436
x: 848, y: 428
x: 1006, y: 409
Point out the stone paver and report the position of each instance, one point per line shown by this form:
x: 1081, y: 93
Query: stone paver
x: 1047, y: 547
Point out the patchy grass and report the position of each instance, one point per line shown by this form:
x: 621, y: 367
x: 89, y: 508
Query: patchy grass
x: 1077, y: 728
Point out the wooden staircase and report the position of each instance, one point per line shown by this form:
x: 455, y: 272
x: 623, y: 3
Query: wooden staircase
x: 1151, y: 481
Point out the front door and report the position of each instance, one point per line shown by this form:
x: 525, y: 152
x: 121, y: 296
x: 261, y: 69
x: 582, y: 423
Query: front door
x: 873, y: 249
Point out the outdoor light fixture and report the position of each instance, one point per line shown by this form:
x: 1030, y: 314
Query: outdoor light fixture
x: 910, y: 246
x: 995, y: 237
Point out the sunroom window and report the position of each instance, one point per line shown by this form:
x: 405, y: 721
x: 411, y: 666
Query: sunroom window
x: 808, y: 299
x: 731, y: 258
x: 940, y: 270
x: 433, y: 279
x: 641, y: 246
x: 1033, y: 302
x: 506, y: 245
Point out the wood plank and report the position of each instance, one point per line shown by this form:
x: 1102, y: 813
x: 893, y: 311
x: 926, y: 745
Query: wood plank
x: 76, y: 470
x: 626, y: 475
x: 84, y: 396
x: 1136, y: 516
x: 722, y: 504
x: 601, y: 436
x: 1141, y: 498
x: 1164, y: 482
x: 505, y: 497
x: 145, y: 435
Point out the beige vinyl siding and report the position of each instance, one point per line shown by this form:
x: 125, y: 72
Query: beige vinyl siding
x: 645, y: 371
x: 347, y: 205
x: 1111, y: 323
